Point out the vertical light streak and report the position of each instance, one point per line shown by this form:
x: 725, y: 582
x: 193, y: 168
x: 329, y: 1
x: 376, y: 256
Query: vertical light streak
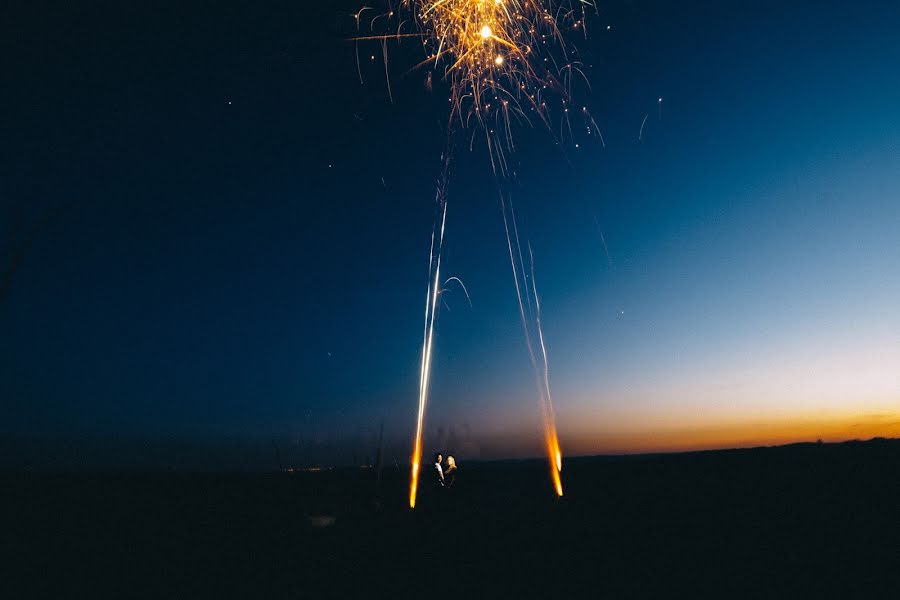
x: 554, y: 454
x: 541, y: 372
x: 434, y: 274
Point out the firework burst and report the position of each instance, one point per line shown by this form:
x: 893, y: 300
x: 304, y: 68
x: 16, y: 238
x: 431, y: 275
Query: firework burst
x: 506, y: 63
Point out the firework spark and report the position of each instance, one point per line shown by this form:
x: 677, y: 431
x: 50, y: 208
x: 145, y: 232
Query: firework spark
x: 431, y: 296
x: 462, y: 285
x: 506, y: 62
x: 530, y: 312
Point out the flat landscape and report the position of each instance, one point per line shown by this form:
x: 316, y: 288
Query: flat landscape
x: 247, y: 246
x: 806, y: 520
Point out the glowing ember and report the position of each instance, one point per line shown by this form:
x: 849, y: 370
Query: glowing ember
x: 555, y: 456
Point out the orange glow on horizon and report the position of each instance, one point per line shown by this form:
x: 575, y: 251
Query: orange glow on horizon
x: 636, y: 439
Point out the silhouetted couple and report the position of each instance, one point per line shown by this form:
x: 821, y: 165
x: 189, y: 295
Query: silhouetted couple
x: 444, y: 477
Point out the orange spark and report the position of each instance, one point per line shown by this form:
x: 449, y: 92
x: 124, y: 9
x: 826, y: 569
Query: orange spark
x: 502, y: 59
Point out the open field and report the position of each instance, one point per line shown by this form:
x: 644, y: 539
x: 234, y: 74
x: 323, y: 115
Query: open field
x: 794, y: 521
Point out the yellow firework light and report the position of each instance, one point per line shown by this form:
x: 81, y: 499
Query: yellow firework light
x: 555, y: 456
x: 431, y: 297
x: 506, y: 61
x: 499, y: 57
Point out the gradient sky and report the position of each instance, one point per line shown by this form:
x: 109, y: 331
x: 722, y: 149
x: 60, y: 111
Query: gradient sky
x: 223, y: 235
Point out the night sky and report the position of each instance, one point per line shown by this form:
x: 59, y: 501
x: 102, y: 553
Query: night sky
x: 214, y: 237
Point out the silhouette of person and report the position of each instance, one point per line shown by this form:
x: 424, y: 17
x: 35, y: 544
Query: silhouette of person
x: 438, y: 471
x: 450, y: 472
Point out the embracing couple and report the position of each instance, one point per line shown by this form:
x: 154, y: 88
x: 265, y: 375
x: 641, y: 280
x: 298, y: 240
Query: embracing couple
x: 445, y: 477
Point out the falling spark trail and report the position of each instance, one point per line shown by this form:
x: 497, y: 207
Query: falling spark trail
x: 641, y: 132
x: 387, y: 76
x: 515, y: 269
x: 434, y: 274
x: 512, y: 212
x: 606, y: 250
x: 542, y: 371
x: 554, y: 454
x: 605, y: 247
x: 465, y: 291
x: 356, y: 17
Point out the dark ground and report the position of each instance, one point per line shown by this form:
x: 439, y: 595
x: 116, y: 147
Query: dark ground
x: 796, y: 521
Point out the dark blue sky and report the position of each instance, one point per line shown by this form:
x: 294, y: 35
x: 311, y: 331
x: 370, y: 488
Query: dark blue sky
x: 223, y: 234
